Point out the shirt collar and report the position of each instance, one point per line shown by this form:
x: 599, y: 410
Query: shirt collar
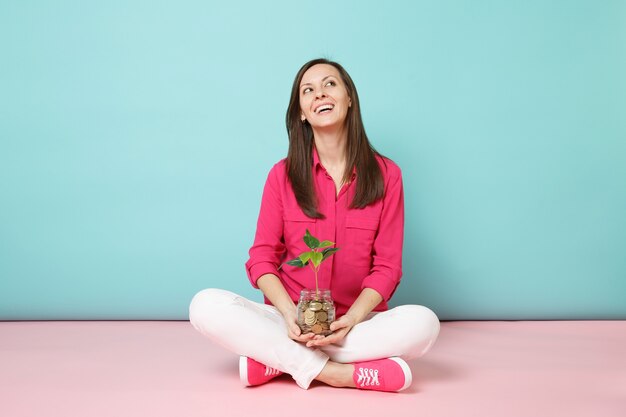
x: 317, y: 162
x: 316, y: 158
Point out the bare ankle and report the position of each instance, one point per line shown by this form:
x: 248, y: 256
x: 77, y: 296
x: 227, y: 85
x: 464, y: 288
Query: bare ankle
x: 337, y: 374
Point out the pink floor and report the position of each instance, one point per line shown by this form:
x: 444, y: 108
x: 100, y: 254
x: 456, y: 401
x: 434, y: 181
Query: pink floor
x: 504, y: 369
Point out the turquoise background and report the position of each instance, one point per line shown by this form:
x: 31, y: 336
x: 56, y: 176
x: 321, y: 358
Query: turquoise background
x: 136, y: 136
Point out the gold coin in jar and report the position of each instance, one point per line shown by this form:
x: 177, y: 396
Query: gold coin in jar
x: 327, y: 306
x: 308, y: 314
x: 315, y: 306
x: 321, y: 316
x: 317, y: 329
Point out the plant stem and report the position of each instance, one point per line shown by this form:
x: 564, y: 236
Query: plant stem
x: 315, y: 269
x: 317, y: 291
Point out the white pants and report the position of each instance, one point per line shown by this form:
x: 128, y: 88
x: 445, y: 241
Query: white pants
x: 259, y: 331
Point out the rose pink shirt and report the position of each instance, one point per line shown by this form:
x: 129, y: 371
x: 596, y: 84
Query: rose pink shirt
x: 370, y: 239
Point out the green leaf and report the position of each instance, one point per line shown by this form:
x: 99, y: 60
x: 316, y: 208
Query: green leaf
x: 316, y: 258
x: 305, y: 257
x: 311, y: 242
x: 295, y: 262
x: 326, y: 243
x: 328, y: 252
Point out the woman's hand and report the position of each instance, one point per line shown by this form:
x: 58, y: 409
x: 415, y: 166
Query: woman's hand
x: 340, y: 329
x: 362, y: 306
x: 274, y: 290
x: 293, y: 330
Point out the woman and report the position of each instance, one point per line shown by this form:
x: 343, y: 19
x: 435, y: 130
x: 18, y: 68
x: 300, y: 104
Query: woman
x: 334, y: 184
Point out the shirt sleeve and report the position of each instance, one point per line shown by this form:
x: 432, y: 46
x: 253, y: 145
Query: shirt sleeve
x: 268, y: 247
x: 386, y: 269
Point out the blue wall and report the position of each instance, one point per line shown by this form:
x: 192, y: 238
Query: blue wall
x: 135, y: 139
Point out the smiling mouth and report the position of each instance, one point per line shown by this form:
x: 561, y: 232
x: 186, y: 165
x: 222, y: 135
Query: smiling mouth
x: 324, y: 109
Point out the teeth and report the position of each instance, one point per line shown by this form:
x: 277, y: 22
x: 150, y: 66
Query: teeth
x: 324, y: 107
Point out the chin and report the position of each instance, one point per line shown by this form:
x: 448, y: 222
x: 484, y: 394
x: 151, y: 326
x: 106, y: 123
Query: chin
x: 328, y: 124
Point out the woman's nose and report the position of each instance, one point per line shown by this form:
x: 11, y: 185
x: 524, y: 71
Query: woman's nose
x: 320, y: 93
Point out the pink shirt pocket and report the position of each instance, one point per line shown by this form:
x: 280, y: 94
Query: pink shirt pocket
x: 360, y: 235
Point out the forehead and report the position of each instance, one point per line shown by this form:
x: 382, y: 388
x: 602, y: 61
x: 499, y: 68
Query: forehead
x: 318, y: 72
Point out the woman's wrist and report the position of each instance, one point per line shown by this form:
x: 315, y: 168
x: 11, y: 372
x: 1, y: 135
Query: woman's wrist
x: 274, y: 290
x: 286, y: 307
x: 364, y: 304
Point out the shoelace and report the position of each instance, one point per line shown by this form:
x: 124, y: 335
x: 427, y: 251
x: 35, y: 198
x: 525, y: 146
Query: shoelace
x: 367, y: 377
x: 271, y: 371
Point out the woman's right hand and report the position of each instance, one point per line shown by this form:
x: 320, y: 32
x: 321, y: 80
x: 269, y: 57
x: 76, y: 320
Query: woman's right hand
x: 293, y: 330
x: 274, y: 290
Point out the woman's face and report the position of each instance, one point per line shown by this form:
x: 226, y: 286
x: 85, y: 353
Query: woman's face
x: 324, y: 99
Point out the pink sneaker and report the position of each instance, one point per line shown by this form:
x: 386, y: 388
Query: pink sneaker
x: 252, y: 372
x: 391, y: 374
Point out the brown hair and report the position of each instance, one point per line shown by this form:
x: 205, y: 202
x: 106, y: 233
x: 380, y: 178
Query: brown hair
x: 359, y: 152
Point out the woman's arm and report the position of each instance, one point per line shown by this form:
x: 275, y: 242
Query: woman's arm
x: 386, y: 269
x: 275, y: 291
x: 267, y: 251
x: 362, y: 306
x: 268, y: 248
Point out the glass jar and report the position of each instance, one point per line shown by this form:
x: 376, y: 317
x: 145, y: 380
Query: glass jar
x: 316, y: 311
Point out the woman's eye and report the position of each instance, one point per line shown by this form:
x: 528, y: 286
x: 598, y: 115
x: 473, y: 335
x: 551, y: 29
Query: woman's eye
x: 330, y: 83
x: 305, y: 90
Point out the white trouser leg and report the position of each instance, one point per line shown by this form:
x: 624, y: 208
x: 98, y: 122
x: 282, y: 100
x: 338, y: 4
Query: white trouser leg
x: 406, y: 331
x: 255, y: 330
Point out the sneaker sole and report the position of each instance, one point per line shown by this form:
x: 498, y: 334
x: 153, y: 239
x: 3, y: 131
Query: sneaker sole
x: 408, y: 375
x: 243, y: 370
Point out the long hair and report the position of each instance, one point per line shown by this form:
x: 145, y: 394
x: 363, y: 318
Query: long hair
x: 359, y: 152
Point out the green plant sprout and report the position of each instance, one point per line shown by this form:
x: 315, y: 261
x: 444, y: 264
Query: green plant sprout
x: 313, y: 258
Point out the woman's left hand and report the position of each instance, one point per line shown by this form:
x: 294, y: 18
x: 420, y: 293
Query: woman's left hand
x: 340, y: 329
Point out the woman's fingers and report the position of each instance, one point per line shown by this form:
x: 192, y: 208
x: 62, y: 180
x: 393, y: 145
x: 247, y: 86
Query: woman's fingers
x: 295, y: 329
x: 342, y: 322
x: 325, y: 341
x: 296, y: 334
x: 302, y: 338
x: 339, y: 327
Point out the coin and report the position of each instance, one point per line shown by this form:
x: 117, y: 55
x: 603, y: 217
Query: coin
x: 327, y: 306
x: 309, y: 321
x: 317, y: 329
x: 315, y: 306
x: 321, y: 316
x: 308, y: 314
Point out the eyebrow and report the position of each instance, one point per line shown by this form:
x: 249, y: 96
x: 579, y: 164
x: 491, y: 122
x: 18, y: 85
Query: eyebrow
x: 323, y: 79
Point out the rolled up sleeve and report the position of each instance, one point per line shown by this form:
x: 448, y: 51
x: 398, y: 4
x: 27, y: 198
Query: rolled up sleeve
x: 268, y: 248
x: 386, y: 270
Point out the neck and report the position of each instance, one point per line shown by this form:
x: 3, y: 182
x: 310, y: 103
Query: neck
x: 331, y: 148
